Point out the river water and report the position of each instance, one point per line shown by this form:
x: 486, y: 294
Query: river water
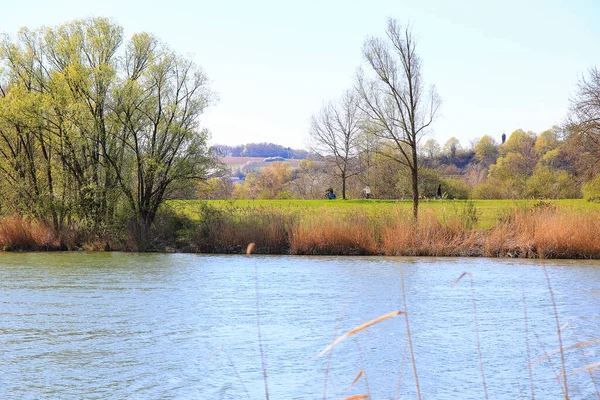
x: 162, y: 326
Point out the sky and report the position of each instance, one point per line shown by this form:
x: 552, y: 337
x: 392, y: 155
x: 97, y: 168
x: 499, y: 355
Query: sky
x: 498, y: 66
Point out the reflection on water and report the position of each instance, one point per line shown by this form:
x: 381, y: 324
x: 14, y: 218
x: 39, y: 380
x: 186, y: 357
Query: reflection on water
x: 184, y: 326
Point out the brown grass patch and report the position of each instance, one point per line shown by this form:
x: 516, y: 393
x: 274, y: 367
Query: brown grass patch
x: 333, y: 233
x: 18, y: 233
x: 230, y: 230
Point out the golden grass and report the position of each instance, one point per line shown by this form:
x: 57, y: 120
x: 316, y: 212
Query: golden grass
x: 360, y: 328
x: 526, y: 232
x: 588, y: 368
x: 230, y: 230
x: 17, y: 233
x: 329, y: 234
x: 573, y: 346
x: 360, y: 373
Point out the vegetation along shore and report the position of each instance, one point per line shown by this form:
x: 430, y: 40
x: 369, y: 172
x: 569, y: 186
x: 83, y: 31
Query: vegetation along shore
x: 488, y: 228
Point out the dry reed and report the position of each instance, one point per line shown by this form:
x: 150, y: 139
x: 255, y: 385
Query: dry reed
x: 237, y: 374
x: 263, y: 358
x: 334, y: 234
x: 476, y: 323
x: 229, y: 230
x: 559, y: 334
x: 408, y: 335
x: 360, y: 328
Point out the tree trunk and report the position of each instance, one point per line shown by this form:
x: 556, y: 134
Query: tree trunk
x: 415, y: 184
x: 343, y: 186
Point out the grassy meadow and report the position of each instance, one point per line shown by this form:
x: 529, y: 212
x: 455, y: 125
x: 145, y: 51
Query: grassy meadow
x: 489, y: 212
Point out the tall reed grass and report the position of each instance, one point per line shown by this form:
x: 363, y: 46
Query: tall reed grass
x: 18, y: 233
x: 532, y: 232
x: 535, y: 232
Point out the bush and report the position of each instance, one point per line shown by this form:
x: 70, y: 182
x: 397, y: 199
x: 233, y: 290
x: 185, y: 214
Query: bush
x: 488, y: 190
x: 456, y: 189
x: 547, y: 183
x: 591, y: 189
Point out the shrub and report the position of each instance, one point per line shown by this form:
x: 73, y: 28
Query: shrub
x: 591, y: 189
x: 456, y: 189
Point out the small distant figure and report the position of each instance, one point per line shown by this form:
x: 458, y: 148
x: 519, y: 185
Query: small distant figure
x: 439, y: 192
x: 329, y: 195
x: 503, y: 137
x: 366, y: 193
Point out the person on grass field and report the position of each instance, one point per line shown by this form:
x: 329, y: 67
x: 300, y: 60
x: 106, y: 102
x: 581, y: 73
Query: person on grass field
x: 329, y: 194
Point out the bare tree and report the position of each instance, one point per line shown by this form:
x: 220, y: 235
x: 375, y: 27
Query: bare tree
x: 334, y: 133
x: 397, y: 108
x: 584, y: 119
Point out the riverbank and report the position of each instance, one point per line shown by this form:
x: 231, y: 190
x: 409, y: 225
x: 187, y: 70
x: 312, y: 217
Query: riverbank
x: 533, y: 230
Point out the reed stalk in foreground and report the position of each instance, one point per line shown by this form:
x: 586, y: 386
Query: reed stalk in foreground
x: 263, y: 360
x: 529, y: 367
x: 358, y: 329
x: 237, y: 374
x: 399, y: 385
x: 590, y: 371
x: 337, y: 325
x: 476, y: 328
x: 410, y: 346
x: 559, y: 333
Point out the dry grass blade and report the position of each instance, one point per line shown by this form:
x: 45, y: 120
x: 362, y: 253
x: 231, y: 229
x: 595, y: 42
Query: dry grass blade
x: 564, y: 326
x: 260, y: 346
x: 237, y: 374
x: 476, y: 322
x: 571, y: 347
x: 588, y: 368
x: 360, y: 328
x: 360, y: 373
x: 559, y: 334
x: 337, y: 325
x: 460, y: 277
x: 214, y: 353
x: 357, y: 397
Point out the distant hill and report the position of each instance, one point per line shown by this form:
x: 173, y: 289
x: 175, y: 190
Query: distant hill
x: 254, y: 162
x: 261, y: 150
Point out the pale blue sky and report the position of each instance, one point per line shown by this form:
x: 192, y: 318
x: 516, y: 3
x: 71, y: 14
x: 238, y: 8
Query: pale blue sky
x: 498, y: 66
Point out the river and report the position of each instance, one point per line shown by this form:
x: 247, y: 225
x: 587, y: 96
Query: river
x: 122, y: 325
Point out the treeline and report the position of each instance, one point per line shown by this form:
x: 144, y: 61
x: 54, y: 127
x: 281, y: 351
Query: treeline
x: 259, y: 150
x: 553, y: 164
x: 96, y: 130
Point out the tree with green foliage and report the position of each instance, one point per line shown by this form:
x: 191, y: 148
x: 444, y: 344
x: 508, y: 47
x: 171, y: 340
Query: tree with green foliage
x: 591, y: 189
x: 397, y: 109
x: 486, y: 150
x: 548, y: 183
x: 451, y: 146
x: 431, y: 149
x: 85, y: 125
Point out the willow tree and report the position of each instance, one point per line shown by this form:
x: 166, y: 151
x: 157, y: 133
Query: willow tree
x: 87, y: 124
x: 157, y: 105
x: 398, y: 109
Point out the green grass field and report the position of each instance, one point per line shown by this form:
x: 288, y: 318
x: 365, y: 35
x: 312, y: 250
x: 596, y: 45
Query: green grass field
x: 489, y: 211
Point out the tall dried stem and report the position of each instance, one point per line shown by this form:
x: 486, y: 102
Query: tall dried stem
x: 408, y: 335
x: 559, y: 333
